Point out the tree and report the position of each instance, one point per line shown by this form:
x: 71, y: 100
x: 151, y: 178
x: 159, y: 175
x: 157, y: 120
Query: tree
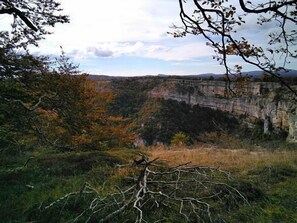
x: 180, y: 139
x: 77, y: 118
x: 56, y: 107
x: 219, y: 22
x: 21, y: 74
x: 30, y: 21
x: 47, y: 101
x: 20, y: 95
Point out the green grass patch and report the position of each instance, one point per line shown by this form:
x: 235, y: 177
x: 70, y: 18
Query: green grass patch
x: 279, y: 203
x: 47, y: 177
x: 27, y: 187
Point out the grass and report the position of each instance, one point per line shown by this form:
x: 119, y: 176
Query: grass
x: 268, y: 179
x: 240, y: 160
x: 272, y: 175
x: 47, y: 177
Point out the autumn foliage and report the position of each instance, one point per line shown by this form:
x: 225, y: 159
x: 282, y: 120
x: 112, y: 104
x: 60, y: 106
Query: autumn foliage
x: 77, y: 118
x: 58, y: 107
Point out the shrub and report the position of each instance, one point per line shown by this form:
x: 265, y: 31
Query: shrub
x: 180, y: 139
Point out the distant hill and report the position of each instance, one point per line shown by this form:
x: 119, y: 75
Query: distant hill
x: 104, y: 77
x: 254, y: 74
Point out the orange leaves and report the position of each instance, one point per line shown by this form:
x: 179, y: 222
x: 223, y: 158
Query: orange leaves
x: 77, y: 116
x: 230, y: 49
x: 82, y: 139
x: 95, y: 99
x: 48, y: 114
x: 112, y: 134
x: 243, y: 48
x: 116, y: 119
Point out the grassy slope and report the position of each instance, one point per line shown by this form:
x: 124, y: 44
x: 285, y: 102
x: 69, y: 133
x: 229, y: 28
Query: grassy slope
x: 47, y: 177
x: 25, y: 191
x: 274, y: 174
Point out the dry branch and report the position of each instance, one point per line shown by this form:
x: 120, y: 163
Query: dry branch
x: 190, y: 192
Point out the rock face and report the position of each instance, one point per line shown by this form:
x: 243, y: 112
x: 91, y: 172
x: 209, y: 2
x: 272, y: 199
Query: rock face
x: 292, y: 128
x: 267, y: 101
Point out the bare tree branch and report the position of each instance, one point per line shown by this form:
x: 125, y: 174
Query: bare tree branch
x: 35, y: 106
x: 218, y: 22
x: 186, y: 191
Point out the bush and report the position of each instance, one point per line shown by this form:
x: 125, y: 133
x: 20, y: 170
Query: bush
x: 180, y: 139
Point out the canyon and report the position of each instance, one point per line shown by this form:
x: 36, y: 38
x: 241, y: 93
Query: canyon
x: 269, y: 102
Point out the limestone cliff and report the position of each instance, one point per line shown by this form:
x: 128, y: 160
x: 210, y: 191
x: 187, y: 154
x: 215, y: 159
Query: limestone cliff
x: 267, y: 101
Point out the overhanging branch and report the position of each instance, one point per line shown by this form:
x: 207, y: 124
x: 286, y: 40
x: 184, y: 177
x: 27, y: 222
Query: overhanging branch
x: 21, y: 15
x: 217, y: 23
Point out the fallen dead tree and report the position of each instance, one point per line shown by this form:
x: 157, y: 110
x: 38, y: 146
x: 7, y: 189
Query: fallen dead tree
x: 158, y: 194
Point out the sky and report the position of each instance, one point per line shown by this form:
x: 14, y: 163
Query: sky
x: 130, y: 38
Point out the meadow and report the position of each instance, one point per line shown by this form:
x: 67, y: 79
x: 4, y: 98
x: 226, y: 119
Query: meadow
x: 34, y: 184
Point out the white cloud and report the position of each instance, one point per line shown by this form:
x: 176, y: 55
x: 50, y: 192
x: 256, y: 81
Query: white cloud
x: 181, y: 52
x: 168, y: 51
x: 107, y: 49
x: 102, y: 22
x: 6, y: 21
x: 136, y: 28
x: 114, y: 20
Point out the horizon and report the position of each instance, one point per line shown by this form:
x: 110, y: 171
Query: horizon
x: 185, y: 75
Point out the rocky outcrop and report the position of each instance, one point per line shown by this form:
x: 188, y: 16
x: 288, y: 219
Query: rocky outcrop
x: 267, y: 101
x: 292, y: 128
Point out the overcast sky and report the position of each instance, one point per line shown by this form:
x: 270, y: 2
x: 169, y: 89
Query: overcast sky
x: 115, y: 37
